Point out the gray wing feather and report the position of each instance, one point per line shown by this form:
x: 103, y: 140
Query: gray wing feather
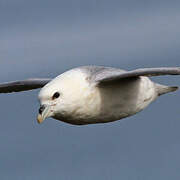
x: 24, y: 85
x: 98, y: 73
x: 138, y: 72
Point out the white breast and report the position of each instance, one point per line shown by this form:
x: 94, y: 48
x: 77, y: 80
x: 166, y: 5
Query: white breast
x: 80, y: 101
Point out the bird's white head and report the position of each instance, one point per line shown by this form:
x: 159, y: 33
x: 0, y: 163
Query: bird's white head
x: 64, y: 97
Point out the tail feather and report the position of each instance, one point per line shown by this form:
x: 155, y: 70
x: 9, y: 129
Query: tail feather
x: 161, y: 89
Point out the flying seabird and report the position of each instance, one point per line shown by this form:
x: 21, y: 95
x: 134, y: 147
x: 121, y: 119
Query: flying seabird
x: 95, y: 94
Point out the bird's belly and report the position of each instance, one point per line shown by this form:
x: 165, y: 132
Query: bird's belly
x: 117, y: 101
x: 78, y: 120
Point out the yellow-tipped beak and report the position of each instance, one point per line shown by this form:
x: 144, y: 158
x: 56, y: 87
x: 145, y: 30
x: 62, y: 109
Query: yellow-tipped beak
x: 44, y: 112
x: 39, y: 118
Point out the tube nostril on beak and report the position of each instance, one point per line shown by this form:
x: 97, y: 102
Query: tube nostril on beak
x: 41, y: 109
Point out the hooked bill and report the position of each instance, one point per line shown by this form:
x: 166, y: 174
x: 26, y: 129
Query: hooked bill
x: 39, y: 118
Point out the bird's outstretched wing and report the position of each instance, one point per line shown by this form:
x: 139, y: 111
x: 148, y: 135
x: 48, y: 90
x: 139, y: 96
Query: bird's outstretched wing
x: 23, y: 85
x: 109, y: 77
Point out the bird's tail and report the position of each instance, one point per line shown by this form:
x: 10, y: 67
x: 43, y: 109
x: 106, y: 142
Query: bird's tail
x: 162, y: 89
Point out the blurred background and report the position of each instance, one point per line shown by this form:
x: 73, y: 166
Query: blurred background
x: 43, y: 38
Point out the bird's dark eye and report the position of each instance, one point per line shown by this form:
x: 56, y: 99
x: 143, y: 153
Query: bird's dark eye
x: 56, y: 95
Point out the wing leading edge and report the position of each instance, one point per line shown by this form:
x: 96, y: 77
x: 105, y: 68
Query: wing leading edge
x: 139, y: 72
x: 24, y: 85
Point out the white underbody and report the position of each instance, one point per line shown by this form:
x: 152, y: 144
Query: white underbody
x: 85, y: 103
